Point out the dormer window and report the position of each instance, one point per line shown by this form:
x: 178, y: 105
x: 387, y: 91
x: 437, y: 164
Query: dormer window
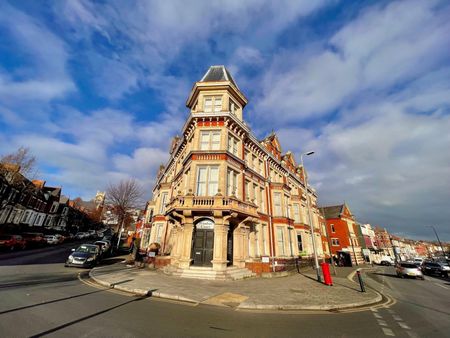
x: 212, y: 104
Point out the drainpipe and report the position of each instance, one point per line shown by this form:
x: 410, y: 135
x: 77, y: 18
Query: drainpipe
x: 269, y: 208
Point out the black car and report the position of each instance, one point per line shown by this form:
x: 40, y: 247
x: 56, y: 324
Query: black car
x: 85, y: 256
x: 435, y: 268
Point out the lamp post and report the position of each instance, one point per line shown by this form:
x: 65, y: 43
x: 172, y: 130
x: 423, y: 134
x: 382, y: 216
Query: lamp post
x: 316, y: 261
x: 440, y: 244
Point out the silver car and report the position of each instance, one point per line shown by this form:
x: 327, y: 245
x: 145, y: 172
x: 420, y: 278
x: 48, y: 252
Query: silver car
x: 404, y: 269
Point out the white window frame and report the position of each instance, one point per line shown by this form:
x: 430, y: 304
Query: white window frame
x: 278, y: 209
x: 212, y: 140
x: 233, y: 144
x: 162, y: 206
x: 215, y: 106
x: 232, y: 182
x: 280, y: 241
x: 210, y: 190
x: 296, y: 208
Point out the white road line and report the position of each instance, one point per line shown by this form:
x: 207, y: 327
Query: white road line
x: 373, y: 310
x: 388, y: 332
x: 391, y: 311
x: 397, y: 318
x: 377, y: 315
x: 404, y: 326
x: 442, y: 286
x: 381, y: 322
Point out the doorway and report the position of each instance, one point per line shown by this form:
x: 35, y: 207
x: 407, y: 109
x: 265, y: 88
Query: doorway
x: 203, y: 243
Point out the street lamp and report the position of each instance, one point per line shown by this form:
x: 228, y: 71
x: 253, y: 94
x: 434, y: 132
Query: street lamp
x: 316, y: 261
x: 440, y: 244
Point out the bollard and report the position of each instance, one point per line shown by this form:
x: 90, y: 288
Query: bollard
x: 361, y: 282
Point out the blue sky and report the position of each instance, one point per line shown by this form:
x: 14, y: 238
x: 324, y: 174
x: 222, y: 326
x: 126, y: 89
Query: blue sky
x: 97, y: 90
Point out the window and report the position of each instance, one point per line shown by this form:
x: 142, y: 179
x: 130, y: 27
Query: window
x: 207, y: 181
x: 286, y: 206
x: 210, y: 140
x: 247, y: 190
x: 261, y: 167
x: 231, y: 183
x: 255, y: 194
x: 280, y: 241
x: 213, y: 103
x: 335, y: 241
x: 158, y: 235
x: 333, y: 230
x: 263, y: 239
x: 277, y: 203
x: 296, y: 213
x: 262, y: 201
x: 162, y: 207
x: 232, y: 145
x: 299, y: 243
x: 232, y: 106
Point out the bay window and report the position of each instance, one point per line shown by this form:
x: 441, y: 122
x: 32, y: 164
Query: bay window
x: 212, y: 104
x: 210, y: 140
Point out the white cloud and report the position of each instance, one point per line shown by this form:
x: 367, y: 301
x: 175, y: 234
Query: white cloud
x: 382, y: 48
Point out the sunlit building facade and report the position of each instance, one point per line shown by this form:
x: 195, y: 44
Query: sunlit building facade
x: 226, y: 200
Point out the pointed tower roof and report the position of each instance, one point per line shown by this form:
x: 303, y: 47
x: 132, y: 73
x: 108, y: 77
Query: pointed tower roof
x: 218, y: 73
x: 216, y: 78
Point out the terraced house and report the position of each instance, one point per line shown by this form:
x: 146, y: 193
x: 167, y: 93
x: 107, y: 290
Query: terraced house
x: 226, y: 202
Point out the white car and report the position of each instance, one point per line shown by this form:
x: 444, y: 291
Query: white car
x: 51, y: 239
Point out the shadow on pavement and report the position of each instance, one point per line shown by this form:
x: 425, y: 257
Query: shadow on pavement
x: 385, y: 274
x: 52, y: 301
x: 26, y: 283
x: 57, y: 328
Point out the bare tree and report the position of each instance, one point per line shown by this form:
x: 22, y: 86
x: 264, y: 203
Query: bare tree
x: 23, y: 158
x: 123, y: 196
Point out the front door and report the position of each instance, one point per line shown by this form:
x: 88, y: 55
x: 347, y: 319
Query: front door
x: 203, y: 247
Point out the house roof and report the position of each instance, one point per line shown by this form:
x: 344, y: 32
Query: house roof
x: 332, y: 211
x: 218, y: 73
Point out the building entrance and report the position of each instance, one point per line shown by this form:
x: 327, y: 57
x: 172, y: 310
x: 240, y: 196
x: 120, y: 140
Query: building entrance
x: 203, y: 243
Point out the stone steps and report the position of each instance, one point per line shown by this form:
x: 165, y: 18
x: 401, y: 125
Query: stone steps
x: 231, y: 273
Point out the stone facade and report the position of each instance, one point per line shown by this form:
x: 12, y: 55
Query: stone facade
x: 226, y: 199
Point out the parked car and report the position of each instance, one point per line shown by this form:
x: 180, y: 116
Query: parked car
x: 85, y: 256
x: 51, y: 239
x: 60, y: 238
x: 386, y: 260
x: 81, y: 235
x: 12, y: 242
x: 435, y: 268
x: 407, y: 269
x: 34, y: 239
x: 104, y: 246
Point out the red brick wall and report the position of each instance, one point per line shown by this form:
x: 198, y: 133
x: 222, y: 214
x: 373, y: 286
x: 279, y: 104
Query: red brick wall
x: 341, y: 233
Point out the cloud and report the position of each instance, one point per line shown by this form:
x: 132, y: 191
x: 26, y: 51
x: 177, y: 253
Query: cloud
x: 384, y: 47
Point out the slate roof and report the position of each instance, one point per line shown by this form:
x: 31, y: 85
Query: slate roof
x: 218, y: 73
x: 332, y: 211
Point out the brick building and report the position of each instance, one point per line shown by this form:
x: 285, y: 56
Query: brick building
x: 227, y: 201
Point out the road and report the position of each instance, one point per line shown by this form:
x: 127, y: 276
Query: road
x: 39, y: 297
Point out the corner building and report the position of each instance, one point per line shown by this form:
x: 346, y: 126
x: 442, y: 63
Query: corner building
x: 226, y: 201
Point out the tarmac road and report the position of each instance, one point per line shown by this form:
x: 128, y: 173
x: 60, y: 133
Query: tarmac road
x: 39, y: 297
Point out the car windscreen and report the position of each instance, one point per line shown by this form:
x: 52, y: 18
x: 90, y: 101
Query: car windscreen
x: 86, y: 249
x: 408, y: 265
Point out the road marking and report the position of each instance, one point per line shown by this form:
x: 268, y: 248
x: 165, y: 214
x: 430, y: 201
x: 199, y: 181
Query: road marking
x: 404, y: 326
x: 391, y: 311
x: 373, y: 310
x: 388, y: 332
x: 381, y: 322
x: 442, y: 286
x: 377, y: 315
x: 412, y: 334
x: 397, y: 318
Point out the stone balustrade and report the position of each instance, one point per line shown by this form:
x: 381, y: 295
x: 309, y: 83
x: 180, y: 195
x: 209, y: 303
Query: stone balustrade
x: 212, y: 202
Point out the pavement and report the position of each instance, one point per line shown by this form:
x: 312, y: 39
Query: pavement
x: 299, y: 291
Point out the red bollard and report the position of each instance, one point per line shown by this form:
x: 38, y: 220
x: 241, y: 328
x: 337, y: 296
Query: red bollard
x: 326, y: 274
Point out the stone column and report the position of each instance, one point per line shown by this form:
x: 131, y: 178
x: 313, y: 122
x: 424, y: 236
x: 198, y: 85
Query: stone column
x: 221, y: 228
x: 186, y: 242
x: 238, y: 247
x: 175, y: 255
x: 252, y: 244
